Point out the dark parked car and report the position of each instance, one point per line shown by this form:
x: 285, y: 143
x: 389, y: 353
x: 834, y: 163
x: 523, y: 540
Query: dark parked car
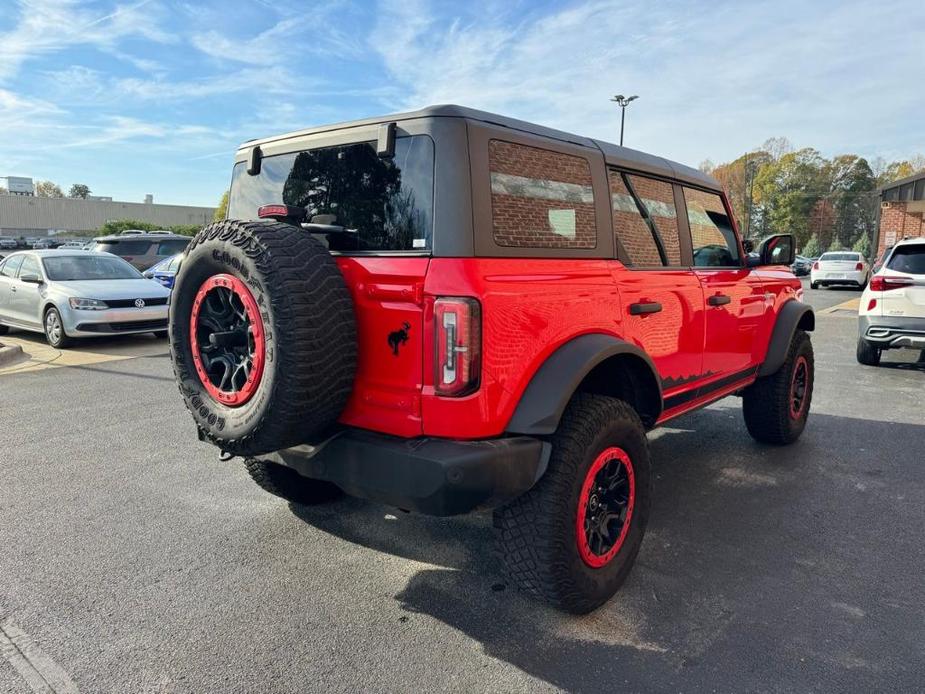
x: 802, y: 266
x: 142, y: 249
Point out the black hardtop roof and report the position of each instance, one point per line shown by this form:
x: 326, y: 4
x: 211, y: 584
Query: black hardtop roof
x: 613, y: 154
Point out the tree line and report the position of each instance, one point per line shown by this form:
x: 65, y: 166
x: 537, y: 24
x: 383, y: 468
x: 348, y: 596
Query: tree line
x: 48, y: 189
x: 826, y: 203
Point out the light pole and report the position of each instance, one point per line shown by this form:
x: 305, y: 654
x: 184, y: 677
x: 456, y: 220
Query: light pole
x: 623, y: 102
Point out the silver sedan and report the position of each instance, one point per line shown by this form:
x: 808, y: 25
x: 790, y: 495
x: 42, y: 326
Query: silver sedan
x: 72, y: 293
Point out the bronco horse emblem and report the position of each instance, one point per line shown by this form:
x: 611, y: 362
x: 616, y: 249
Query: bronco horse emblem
x: 399, y: 337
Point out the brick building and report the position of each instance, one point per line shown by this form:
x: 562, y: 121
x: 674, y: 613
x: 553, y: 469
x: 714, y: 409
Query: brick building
x: 902, y: 205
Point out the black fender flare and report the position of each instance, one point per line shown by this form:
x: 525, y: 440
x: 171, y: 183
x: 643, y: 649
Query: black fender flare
x: 792, y: 315
x: 552, y: 386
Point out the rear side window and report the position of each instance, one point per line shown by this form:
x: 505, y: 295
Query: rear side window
x: 11, y: 266
x: 910, y: 258
x: 124, y: 247
x: 848, y: 257
x: 630, y: 227
x: 712, y: 235
x: 657, y: 199
x: 540, y: 198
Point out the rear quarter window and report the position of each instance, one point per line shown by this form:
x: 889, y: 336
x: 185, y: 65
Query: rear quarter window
x: 540, y: 198
x: 171, y: 247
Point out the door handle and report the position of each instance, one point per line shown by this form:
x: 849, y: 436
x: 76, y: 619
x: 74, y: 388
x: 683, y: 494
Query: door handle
x: 641, y: 308
x: 719, y: 300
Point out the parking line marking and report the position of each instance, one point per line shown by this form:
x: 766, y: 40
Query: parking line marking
x: 851, y: 305
x: 41, y: 673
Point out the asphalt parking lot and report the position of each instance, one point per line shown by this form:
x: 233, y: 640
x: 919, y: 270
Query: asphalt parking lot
x: 135, y: 561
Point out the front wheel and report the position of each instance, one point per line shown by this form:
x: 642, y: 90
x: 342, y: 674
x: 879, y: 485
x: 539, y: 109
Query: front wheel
x: 54, y: 330
x: 572, y: 539
x: 776, y: 407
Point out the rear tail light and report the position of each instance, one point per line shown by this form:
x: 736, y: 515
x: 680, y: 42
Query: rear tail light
x: 458, y: 346
x: 815, y: 266
x: 884, y: 283
x: 859, y: 266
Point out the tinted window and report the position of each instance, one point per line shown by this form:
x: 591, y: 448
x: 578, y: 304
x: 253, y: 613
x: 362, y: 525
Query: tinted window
x: 11, y: 266
x: 130, y: 248
x: 171, y: 247
x: 88, y: 267
x: 630, y: 227
x: 540, y: 198
x: 657, y: 199
x: 909, y: 258
x: 30, y: 266
x: 712, y: 235
x: 386, y: 204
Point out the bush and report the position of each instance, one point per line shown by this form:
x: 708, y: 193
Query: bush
x: 812, y: 249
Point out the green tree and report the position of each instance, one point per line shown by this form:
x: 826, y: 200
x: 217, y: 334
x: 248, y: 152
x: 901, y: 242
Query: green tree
x: 812, y: 249
x: 47, y: 189
x: 787, y: 190
x: 79, y: 190
x: 862, y: 246
x: 222, y: 210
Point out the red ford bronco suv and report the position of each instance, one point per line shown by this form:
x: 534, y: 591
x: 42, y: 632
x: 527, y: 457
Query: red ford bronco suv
x: 449, y: 310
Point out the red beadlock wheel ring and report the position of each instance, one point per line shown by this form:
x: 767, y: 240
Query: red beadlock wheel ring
x: 608, y: 495
x: 799, y: 384
x: 229, y: 337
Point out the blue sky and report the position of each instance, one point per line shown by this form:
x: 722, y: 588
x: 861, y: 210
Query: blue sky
x: 153, y: 96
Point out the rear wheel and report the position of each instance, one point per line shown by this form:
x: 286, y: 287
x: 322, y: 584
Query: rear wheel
x: 867, y: 354
x: 288, y: 484
x: 814, y: 285
x: 54, y: 329
x: 776, y: 407
x: 573, y: 538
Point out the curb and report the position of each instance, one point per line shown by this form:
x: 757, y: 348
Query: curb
x: 9, y: 354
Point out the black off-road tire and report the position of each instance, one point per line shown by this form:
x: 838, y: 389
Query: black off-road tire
x: 536, y: 532
x: 310, y: 335
x: 288, y: 484
x: 867, y: 354
x: 766, y: 404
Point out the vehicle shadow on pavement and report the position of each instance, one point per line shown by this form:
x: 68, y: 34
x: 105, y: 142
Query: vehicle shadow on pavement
x: 750, y: 558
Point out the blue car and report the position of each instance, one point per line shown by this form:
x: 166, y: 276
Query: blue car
x: 165, y: 271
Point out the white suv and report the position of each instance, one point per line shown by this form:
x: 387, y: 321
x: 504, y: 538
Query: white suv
x: 892, y: 310
x: 839, y: 267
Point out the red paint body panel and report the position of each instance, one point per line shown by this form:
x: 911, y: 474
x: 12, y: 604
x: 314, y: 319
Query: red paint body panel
x: 530, y: 308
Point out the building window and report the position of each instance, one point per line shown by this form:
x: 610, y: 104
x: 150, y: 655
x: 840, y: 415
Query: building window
x: 540, y: 198
x: 712, y: 234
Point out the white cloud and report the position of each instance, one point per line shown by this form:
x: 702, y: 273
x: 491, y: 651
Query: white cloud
x: 54, y: 25
x: 714, y: 79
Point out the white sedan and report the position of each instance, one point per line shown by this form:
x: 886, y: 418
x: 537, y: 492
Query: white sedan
x: 840, y: 267
x: 68, y: 294
x: 891, y: 314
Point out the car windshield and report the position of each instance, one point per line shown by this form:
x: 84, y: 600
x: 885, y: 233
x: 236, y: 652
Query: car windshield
x: 385, y: 204
x: 853, y: 257
x: 910, y: 258
x: 69, y: 268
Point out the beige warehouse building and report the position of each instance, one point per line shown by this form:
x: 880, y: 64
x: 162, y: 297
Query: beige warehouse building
x: 25, y: 215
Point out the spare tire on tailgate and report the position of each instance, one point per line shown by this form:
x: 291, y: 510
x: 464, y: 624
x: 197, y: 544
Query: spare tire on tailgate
x: 262, y: 336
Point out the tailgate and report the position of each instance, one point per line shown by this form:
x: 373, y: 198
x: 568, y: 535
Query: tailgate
x: 388, y: 297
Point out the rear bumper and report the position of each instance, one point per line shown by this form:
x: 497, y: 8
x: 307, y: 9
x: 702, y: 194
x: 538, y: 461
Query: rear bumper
x: 439, y: 477
x: 856, y: 278
x: 893, y: 332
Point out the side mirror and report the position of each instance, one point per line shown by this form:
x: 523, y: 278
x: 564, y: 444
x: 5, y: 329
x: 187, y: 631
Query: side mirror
x: 779, y: 249
x: 31, y: 279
